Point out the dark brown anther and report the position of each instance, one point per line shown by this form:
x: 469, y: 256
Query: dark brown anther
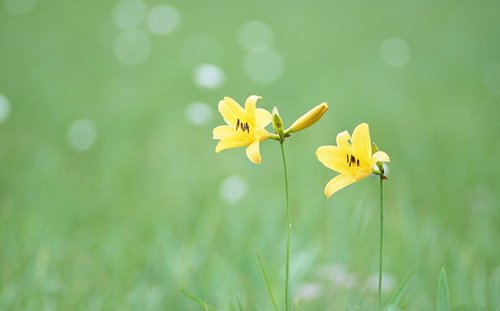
x: 357, y: 162
x: 238, y: 124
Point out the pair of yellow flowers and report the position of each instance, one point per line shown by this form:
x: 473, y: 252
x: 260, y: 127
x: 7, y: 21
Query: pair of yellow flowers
x: 353, y: 157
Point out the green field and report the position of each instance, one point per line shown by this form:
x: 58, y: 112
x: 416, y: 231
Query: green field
x: 112, y: 196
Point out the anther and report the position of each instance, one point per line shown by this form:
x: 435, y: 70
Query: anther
x: 357, y: 162
x: 238, y: 124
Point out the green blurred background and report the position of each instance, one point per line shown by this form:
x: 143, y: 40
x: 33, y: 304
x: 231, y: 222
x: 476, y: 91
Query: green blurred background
x: 112, y: 197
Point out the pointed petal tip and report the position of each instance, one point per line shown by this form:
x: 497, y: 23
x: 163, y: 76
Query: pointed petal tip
x: 253, y: 99
x: 342, y: 139
x: 253, y: 153
x: 255, y: 161
x: 361, y: 127
x: 327, y: 194
x: 225, y: 99
x: 218, y: 148
x: 337, y: 183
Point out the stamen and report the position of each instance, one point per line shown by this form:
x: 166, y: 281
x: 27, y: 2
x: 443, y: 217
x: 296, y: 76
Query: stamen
x: 243, y: 126
x: 351, y: 160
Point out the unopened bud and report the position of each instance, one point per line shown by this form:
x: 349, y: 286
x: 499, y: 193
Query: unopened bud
x: 278, y: 124
x: 308, y: 119
x: 380, y: 165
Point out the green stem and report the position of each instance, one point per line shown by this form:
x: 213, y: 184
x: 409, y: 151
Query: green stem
x: 288, y: 226
x: 381, y: 244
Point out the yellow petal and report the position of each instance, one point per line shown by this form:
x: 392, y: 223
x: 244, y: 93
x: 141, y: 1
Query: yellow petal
x: 250, y: 104
x: 309, y: 118
x: 261, y: 134
x: 338, y: 182
x: 223, y: 131
x: 343, y: 141
x: 380, y: 156
x: 361, y: 143
x: 262, y: 118
x: 253, y: 152
x: 363, y: 172
x: 233, y: 142
x: 333, y: 157
x: 231, y: 111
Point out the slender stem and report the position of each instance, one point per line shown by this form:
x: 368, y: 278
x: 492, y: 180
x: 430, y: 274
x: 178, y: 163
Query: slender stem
x: 381, y: 243
x: 288, y: 226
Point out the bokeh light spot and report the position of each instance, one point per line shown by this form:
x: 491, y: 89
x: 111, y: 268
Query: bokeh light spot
x: 395, y: 52
x: 255, y: 36
x: 338, y: 275
x: 233, y: 189
x: 491, y: 77
x: 132, y: 47
x: 128, y: 14
x: 163, y: 19
x: 198, y: 113
x: 264, y: 66
x: 387, y: 282
x: 18, y: 7
x: 82, y: 134
x: 4, y: 108
x: 308, y: 291
x: 209, y: 76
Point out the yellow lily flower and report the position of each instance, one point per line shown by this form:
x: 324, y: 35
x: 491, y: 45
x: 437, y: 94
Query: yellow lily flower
x: 353, y: 161
x: 245, y: 127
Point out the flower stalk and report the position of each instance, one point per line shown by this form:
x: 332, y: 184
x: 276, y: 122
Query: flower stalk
x: 381, y: 242
x: 288, y: 226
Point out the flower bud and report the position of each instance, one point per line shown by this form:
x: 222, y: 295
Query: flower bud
x: 308, y: 119
x: 382, y: 168
x: 278, y: 124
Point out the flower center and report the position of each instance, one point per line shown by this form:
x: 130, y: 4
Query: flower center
x: 351, y: 160
x: 243, y: 126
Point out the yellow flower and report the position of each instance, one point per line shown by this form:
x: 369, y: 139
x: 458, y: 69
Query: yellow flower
x: 308, y: 119
x: 245, y: 127
x: 353, y: 161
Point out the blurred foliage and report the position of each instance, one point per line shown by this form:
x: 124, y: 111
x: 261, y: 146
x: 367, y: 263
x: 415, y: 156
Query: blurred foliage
x: 128, y: 222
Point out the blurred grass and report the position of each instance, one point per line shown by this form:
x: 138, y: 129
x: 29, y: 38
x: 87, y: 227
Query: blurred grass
x: 127, y: 223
